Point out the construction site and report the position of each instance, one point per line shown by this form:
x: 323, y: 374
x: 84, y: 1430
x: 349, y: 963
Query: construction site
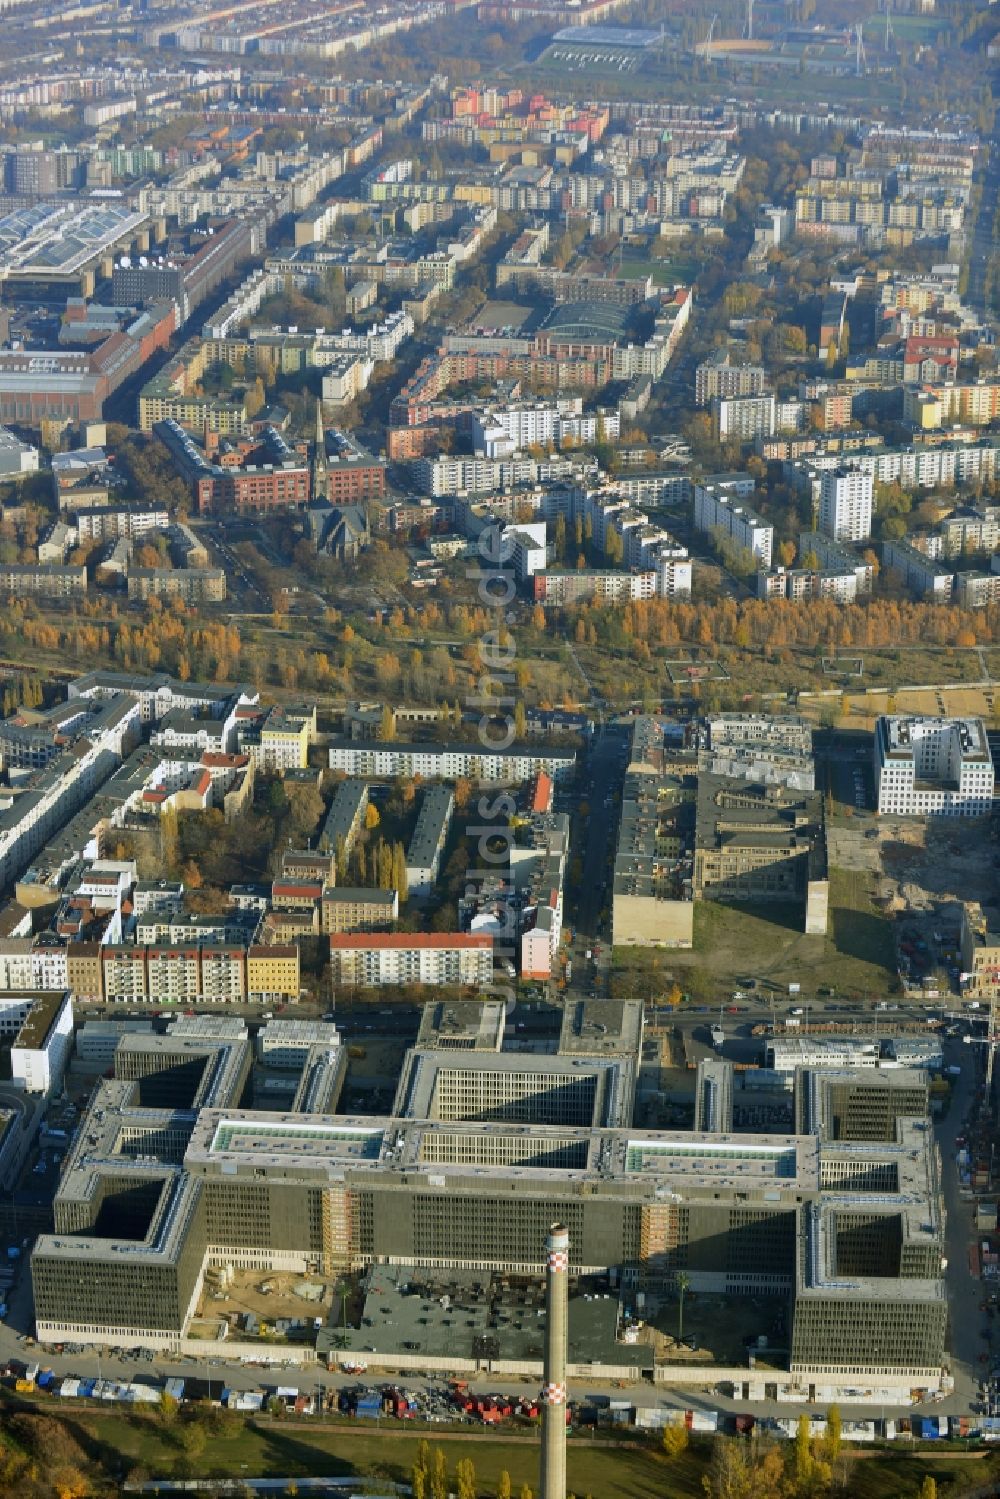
x: 273, y: 1307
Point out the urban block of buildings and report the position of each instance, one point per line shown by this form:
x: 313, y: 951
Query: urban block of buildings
x: 170, y: 1178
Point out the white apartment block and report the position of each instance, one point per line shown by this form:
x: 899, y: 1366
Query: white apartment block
x: 911, y: 468
x: 372, y: 959
x: 745, y: 417
x: 836, y: 558
x: 845, y: 505
x: 673, y: 574
x: 525, y: 548
x: 501, y: 431
x: 919, y: 571
x: 108, y: 522
x: 155, y: 695
x: 43, y: 1043
x: 715, y: 506
x: 25, y: 966
x: 449, y: 476
x: 375, y: 760
x: 933, y: 767
x: 797, y: 583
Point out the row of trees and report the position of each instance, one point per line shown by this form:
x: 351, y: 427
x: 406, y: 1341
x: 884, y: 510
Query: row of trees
x: 429, y: 1478
x: 757, y: 1468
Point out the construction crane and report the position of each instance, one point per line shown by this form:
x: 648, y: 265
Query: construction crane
x: 990, y: 1041
x: 711, y: 31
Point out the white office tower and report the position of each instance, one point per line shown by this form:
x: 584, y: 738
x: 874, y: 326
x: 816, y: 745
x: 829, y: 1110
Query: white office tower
x: 933, y: 767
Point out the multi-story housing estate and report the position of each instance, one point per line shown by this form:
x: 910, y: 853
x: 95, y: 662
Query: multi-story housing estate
x: 798, y: 583
x: 836, y: 559
x: 273, y: 739
x: 263, y: 475
x: 558, y: 587
x: 924, y: 574
x: 351, y: 909
x: 194, y: 585
x: 66, y: 783
x: 718, y: 505
x: 213, y: 973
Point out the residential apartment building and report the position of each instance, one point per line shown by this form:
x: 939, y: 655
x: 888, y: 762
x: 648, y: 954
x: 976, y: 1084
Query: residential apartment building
x: 448, y: 762
x: 193, y: 585
x: 717, y: 378
x: 351, y: 909
x: 423, y: 856
x: 744, y: 418
x: 345, y: 818
x: 44, y: 580
x: 845, y: 505
x: 716, y: 506
x: 837, y: 559
x: 208, y: 972
x: 272, y: 740
x: 565, y: 586
x: 371, y: 959
x: 798, y: 583
x: 925, y: 575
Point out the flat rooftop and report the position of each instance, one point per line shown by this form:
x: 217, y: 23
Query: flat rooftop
x: 462, y: 1025
x: 293, y: 1136
x: 471, y: 1313
x: 37, y: 1024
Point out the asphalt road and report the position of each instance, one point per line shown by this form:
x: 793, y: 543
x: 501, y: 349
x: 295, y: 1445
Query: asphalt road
x: 605, y: 775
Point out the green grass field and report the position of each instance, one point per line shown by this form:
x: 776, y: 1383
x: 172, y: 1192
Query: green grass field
x: 664, y: 272
x: 268, y: 1449
x: 735, y: 943
x: 294, y: 1450
x: 909, y: 28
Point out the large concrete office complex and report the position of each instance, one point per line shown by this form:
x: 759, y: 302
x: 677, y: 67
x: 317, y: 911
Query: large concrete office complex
x: 933, y: 767
x: 482, y: 1151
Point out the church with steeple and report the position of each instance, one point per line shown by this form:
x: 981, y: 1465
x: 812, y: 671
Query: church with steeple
x: 320, y: 465
x: 341, y: 530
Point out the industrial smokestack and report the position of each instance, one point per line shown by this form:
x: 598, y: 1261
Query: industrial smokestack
x: 556, y: 1318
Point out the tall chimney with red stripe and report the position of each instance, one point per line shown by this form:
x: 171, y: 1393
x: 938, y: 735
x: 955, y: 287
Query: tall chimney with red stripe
x: 553, y: 1484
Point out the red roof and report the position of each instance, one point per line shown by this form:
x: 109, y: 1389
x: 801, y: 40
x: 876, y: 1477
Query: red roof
x: 541, y: 793
x: 403, y: 940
